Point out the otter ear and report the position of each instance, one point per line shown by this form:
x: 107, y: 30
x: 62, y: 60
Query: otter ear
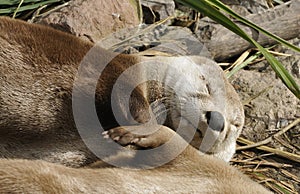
x: 216, y: 123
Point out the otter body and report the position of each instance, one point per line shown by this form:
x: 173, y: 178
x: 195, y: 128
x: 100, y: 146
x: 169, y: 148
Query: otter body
x: 38, y: 66
x: 190, y: 172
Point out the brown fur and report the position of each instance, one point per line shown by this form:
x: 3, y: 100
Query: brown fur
x: 190, y: 172
x: 38, y: 66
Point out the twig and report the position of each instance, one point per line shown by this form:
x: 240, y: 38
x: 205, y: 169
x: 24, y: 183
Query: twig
x: 16, y: 11
x: 264, y: 163
x: 290, y: 175
x: 37, y: 14
x: 290, y: 156
x: 284, y: 143
x: 269, y: 139
x: 276, y: 186
x: 143, y: 31
x: 259, y: 157
x: 239, y: 61
x: 246, y: 102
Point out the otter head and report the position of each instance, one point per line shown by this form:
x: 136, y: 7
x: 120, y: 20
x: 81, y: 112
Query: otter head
x: 199, y: 102
x: 201, y: 99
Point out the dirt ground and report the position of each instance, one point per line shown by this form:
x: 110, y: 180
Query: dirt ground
x: 267, y: 114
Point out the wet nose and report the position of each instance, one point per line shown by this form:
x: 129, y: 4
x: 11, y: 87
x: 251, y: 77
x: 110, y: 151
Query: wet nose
x: 215, y: 120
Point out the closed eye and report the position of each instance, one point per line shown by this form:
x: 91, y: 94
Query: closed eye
x: 237, y: 124
x: 204, y: 92
x: 207, y: 89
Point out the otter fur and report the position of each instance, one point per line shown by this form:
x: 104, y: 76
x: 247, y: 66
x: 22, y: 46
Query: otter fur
x: 190, y: 172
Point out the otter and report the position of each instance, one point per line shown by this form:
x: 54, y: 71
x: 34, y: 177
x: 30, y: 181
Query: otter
x: 190, y: 172
x: 38, y: 76
x: 39, y: 66
x: 44, y: 72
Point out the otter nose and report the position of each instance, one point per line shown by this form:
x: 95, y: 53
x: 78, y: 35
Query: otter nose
x: 215, y: 121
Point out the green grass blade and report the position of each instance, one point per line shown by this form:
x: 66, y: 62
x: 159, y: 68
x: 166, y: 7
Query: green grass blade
x: 16, y: 2
x: 242, y: 65
x: 280, y: 71
x: 9, y: 2
x: 27, y: 7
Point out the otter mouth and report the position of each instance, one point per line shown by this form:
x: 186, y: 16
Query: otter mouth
x: 214, y: 124
x: 190, y: 129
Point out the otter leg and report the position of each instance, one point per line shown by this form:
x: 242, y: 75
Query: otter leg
x: 161, y: 147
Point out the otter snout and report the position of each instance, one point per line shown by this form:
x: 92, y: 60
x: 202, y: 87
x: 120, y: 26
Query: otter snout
x: 215, y: 121
x: 216, y: 124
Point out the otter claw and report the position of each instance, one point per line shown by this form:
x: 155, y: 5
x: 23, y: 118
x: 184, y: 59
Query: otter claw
x: 116, y: 138
x: 105, y: 135
x: 135, y: 140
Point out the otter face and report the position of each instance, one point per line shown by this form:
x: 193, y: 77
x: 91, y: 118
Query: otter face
x: 203, y: 100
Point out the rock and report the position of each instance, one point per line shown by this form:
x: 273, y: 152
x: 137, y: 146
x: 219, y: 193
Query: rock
x: 224, y: 44
x: 156, y: 10
x: 252, y: 6
x: 181, y: 41
x: 173, y: 40
x: 94, y: 19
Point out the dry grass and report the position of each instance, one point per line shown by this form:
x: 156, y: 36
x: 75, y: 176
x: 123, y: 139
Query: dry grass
x: 264, y: 168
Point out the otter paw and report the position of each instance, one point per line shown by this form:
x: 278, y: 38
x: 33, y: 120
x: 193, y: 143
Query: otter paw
x: 135, y: 135
x: 122, y: 136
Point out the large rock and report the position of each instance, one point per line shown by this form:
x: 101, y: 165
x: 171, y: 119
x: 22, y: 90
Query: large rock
x: 174, y: 40
x: 94, y: 19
